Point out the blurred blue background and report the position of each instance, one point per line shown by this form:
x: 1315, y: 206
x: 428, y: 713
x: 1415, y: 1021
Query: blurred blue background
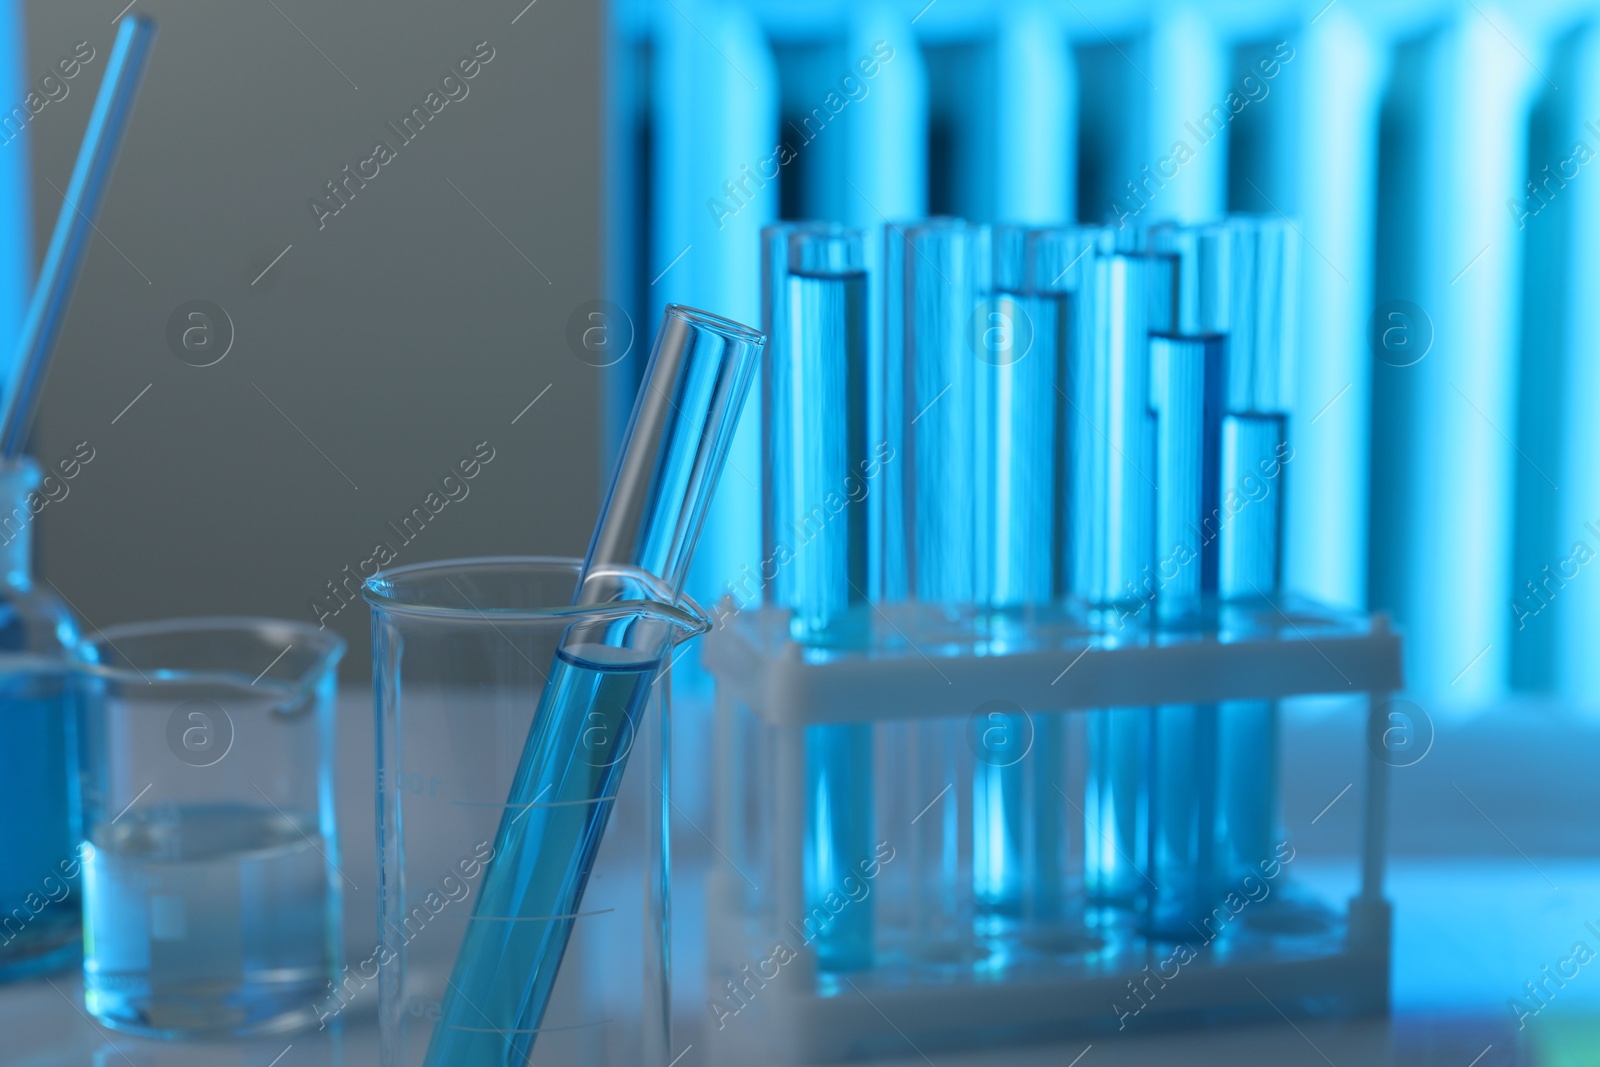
x: 1432, y: 154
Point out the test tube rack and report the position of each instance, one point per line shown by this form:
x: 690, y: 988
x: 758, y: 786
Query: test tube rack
x: 927, y: 668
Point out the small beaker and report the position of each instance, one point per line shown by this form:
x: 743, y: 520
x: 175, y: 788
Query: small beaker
x: 212, y: 888
x: 463, y: 651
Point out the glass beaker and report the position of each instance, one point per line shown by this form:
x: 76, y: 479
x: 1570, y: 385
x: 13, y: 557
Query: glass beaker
x: 39, y: 929
x: 463, y: 652
x: 212, y: 888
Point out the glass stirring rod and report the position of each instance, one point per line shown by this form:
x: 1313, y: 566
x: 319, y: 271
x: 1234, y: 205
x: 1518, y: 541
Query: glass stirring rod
x: 694, y: 389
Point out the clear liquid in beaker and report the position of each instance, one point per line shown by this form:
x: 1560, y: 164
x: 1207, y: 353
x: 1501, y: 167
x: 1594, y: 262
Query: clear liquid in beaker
x: 207, y: 917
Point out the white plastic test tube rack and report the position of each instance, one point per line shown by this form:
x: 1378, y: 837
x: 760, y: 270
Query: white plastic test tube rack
x: 945, y: 973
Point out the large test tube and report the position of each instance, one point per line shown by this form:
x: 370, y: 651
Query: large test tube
x: 1015, y: 379
x: 818, y: 460
x: 935, y: 273
x: 946, y: 271
x: 555, y: 816
x: 1253, y: 453
x: 1186, y: 377
x: 1111, y: 492
x: 1020, y: 841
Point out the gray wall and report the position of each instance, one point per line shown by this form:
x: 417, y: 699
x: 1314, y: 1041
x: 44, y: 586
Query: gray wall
x: 412, y: 326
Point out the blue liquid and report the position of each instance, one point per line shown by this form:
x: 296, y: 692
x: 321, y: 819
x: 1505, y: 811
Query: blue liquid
x: 546, y: 846
x: 1248, y: 772
x: 1183, y: 819
x: 838, y: 843
x: 1116, y: 808
x: 817, y: 452
x: 1111, y: 443
x: 1183, y: 780
x: 1000, y: 821
x: 39, y: 914
x: 1251, y: 468
x: 1017, y: 381
x: 816, y: 523
x: 1045, y: 875
x: 206, y: 918
x: 1181, y: 377
x: 1250, y: 541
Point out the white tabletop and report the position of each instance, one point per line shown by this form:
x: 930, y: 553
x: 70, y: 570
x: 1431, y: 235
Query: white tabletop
x: 1474, y: 921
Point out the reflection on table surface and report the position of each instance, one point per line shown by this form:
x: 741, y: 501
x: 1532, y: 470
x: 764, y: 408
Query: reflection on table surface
x: 1468, y: 935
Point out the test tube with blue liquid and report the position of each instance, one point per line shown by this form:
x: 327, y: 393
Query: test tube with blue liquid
x: 1020, y: 839
x: 1253, y: 450
x: 817, y: 455
x: 1015, y: 408
x: 1186, y: 368
x: 936, y: 272
x: 688, y: 407
x: 1110, y: 517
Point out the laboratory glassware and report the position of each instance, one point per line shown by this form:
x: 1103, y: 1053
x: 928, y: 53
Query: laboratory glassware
x: 1187, y: 365
x: 91, y: 174
x: 818, y: 461
x: 464, y: 652
x: 936, y: 273
x: 1037, y: 979
x: 1110, y: 507
x: 1252, y: 464
x: 688, y: 407
x: 1020, y: 848
x: 985, y: 928
x: 39, y: 862
x: 211, y: 877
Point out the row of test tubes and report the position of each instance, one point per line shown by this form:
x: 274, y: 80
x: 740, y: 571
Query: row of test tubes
x: 1074, y: 416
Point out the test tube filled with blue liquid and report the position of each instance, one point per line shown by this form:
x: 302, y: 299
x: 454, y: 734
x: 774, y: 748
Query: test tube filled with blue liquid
x: 1186, y: 369
x: 1015, y: 409
x: 935, y: 274
x: 1253, y: 451
x: 818, y: 459
x: 1019, y: 850
x: 1110, y: 506
x: 693, y: 391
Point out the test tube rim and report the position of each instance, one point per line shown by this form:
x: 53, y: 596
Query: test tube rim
x: 853, y: 237
x: 714, y: 323
x: 932, y: 224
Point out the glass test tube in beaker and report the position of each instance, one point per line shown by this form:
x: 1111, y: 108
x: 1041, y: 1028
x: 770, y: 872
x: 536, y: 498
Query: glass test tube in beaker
x: 463, y: 652
x: 211, y: 880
